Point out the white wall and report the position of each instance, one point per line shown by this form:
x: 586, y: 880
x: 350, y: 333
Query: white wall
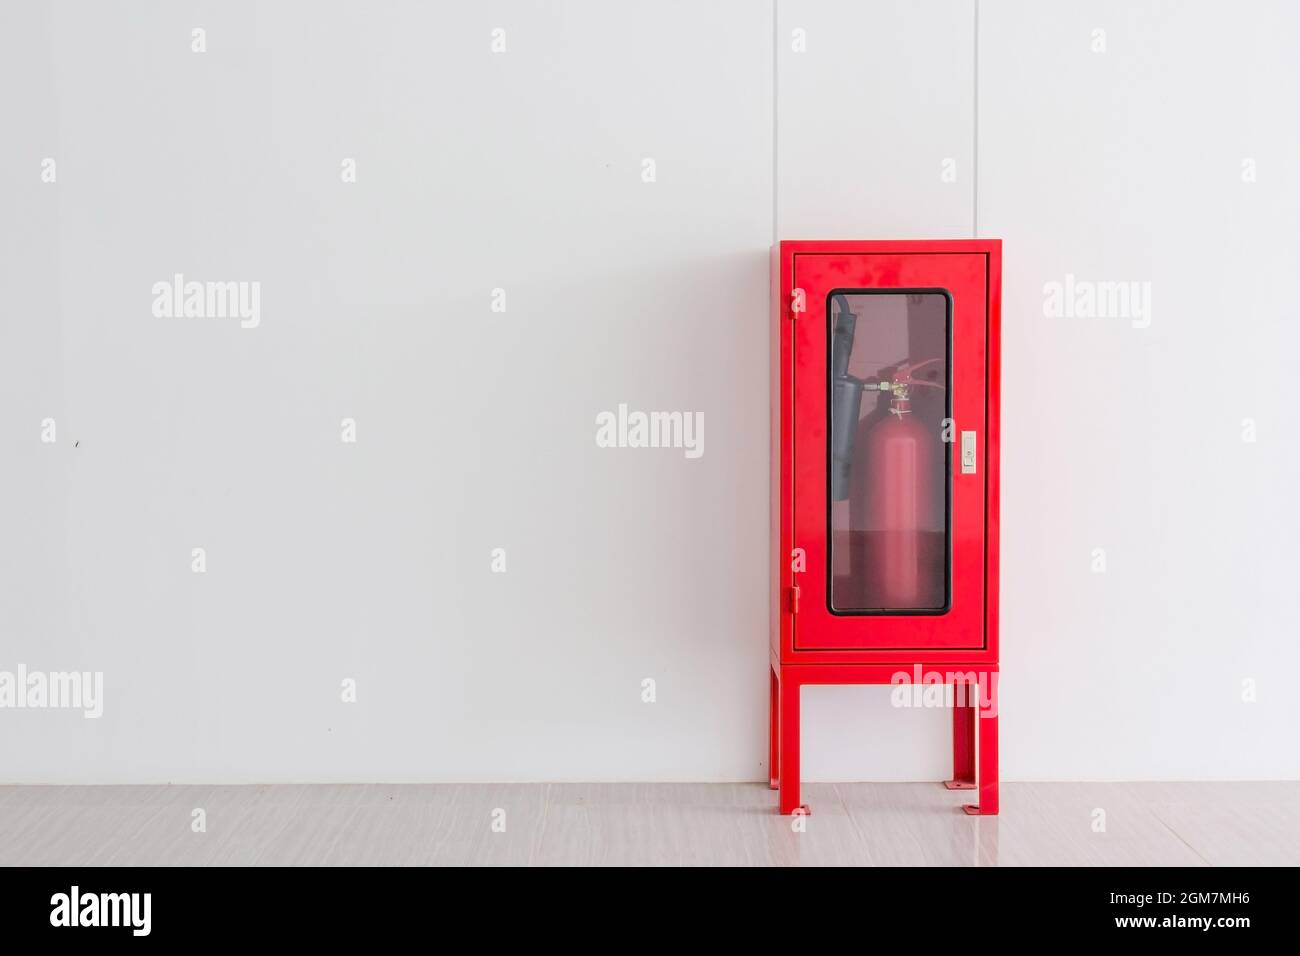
x: 523, y: 171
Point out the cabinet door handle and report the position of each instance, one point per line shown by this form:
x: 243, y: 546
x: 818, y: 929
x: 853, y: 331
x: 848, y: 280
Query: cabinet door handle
x: 968, y: 453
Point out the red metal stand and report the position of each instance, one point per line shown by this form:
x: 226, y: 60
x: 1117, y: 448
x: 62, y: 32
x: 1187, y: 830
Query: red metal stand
x: 981, y: 713
x: 815, y: 638
x: 988, y: 759
x: 963, y: 738
x: 774, y: 731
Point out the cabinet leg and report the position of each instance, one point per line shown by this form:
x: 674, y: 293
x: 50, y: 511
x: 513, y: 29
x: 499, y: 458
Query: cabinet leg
x: 774, y: 731
x: 963, y: 738
x: 987, y: 731
x: 788, y: 691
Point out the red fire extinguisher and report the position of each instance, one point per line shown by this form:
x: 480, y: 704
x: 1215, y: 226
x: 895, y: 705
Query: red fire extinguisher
x: 892, y: 500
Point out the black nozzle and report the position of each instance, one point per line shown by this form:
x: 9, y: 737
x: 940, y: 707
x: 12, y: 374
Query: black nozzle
x: 842, y: 342
x: 846, y: 405
x: 846, y: 400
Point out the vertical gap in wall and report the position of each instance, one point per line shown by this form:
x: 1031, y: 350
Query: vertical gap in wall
x: 975, y: 132
x: 776, y: 60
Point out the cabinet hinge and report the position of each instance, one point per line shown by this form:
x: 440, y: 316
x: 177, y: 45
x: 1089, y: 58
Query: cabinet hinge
x: 794, y: 600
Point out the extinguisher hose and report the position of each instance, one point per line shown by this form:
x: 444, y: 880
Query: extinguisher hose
x: 846, y: 398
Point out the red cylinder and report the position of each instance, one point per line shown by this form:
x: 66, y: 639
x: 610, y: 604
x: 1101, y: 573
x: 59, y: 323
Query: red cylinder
x: 890, y: 509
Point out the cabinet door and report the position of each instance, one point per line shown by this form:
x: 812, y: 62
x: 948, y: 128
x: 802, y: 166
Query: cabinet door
x: 889, y: 427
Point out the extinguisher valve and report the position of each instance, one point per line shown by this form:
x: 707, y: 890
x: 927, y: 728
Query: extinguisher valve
x: 898, y: 388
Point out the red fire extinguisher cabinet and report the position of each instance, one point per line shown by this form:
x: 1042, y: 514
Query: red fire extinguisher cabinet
x: 884, y: 517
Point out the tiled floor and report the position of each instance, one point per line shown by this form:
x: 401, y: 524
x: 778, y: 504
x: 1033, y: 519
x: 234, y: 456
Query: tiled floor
x: 1091, y: 824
